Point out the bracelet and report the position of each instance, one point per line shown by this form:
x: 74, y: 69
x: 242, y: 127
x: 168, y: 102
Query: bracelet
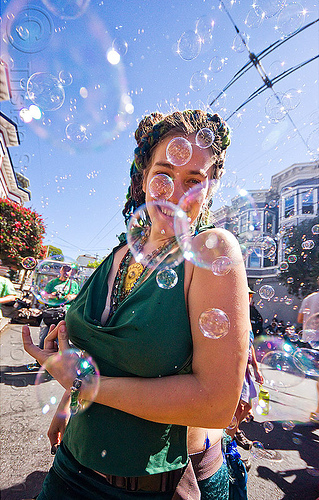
x: 75, y: 404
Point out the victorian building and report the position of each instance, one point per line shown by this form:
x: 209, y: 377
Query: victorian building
x: 13, y: 185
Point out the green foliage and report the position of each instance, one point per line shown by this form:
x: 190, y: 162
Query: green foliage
x: 94, y: 264
x: 301, y: 276
x: 51, y: 250
x: 22, y: 232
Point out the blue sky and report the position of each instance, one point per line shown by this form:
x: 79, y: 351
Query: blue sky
x: 79, y: 187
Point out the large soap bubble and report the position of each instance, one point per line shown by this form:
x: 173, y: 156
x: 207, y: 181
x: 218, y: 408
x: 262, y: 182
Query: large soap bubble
x: 46, y: 91
x: 189, y: 45
x: 161, y: 187
x: 179, y: 151
x: 139, y: 232
x: 279, y: 370
x: 29, y: 263
x: 214, y: 323
x: 72, y: 364
x: 55, y: 280
x: 166, y: 278
x: 266, y: 292
x: 204, y: 138
x: 291, y: 18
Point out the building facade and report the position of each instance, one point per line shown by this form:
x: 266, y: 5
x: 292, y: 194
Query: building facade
x: 13, y: 185
x: 259, y: 220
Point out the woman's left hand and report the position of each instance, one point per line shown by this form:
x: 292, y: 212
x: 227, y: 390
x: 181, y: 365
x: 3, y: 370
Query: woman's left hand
x: 50, y: 344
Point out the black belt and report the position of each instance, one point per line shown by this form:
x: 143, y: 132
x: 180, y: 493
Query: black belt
x: 166, y: 481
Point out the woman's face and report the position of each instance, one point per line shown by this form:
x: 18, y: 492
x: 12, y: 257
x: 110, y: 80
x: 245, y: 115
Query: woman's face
x: 197, y: 172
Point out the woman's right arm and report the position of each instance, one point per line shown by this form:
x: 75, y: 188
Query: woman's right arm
x: 59, y: 422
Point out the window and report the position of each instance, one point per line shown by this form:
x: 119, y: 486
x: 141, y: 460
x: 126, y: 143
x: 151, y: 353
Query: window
x: 270, y: 223
x: 254, y: 221
x: 243, y: 223
x: 307, y: 206
x: 289, y: 206
x: 254, y: 260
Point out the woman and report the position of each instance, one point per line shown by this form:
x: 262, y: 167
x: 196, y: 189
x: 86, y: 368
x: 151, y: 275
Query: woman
x: 166, y: 390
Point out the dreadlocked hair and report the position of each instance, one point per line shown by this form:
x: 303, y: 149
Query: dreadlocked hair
x: 156, y: 127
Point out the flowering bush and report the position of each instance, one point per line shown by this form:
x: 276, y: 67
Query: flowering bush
x: 22, y: 232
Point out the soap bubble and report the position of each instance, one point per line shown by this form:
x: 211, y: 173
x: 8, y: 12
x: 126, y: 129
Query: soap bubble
x: 254, y: 18
x: 288, y: 425
x: 179, y: 151
x: 266, y: 292
x: 75, y: 132
x: 214, y: 323
x: 233, y: 423
x: 189, y: 45
x: 307, y: 245
x: 296, y: 440
x: 291, y: 333
x: 67, y: 9
x: 291, y: 99
x: 279, y: 370
x: 29, y: 263
x: 198, y: 81
x: 120, y: 45
x: 221, y: 266
x: 307, y: 360
x: 65, y: 78
x: 30, y: 29
x: 315, y: 229
x: 257, y: 450
x: 265, y: 245
x: 283, y: 266
x: 72, y: 364
x: 58, y: 292
x: 292, y: 259
x: 204, y: 28
x: 204, y: 138
x: 291, y: 18
x: 139, y: 231
x: 270, y: 8
x: 217, y: 63
x: 166, y: 278
x: 238, y: 44
x: 45, y: 91
x: 274, y: 108
x: 161, y: 187
x: 268, y: 426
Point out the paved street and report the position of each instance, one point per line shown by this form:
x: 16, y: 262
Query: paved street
x: 288, y: 470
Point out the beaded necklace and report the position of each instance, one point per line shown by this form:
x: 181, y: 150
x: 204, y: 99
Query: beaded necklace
x: 128, y: 277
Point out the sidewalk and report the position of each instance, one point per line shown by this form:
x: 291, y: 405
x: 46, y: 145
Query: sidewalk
x: 292, y: 473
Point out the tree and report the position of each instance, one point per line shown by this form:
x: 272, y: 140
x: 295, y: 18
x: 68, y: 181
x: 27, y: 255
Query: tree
x: 300, y: 268
x: 51, y: 250
x: 22, y: 232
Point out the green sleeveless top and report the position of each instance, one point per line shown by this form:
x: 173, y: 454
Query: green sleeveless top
x: 148, y: 336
